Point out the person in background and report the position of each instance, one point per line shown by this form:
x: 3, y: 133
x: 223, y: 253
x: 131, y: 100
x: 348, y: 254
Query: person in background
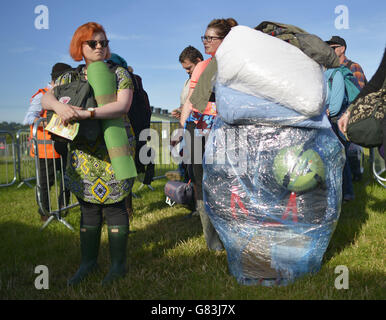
x: 334, y: 101
x: 201, y: 122
x: 339, y: 45
x: 45, y: 149
x: 189, y: 58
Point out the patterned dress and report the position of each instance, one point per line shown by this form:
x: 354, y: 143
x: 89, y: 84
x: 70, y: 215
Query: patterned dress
x: 89, y: 173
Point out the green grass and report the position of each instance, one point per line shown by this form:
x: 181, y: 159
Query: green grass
x: 168, y: 258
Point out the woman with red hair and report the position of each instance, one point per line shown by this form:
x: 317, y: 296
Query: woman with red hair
x: 89, y: 174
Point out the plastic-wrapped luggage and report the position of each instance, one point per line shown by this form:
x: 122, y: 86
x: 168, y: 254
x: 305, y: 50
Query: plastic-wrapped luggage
x: 274, y: 226
x: 273, y: 166
x: 255, y: 63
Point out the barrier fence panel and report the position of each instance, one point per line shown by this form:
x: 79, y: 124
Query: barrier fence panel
x: 26, y: 164
x: 53, y: 199
x: 379, y: 169
x: 8, y: 159
x: 160, y: 143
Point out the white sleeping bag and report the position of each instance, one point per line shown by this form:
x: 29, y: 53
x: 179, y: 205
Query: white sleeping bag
x: 267, y: 67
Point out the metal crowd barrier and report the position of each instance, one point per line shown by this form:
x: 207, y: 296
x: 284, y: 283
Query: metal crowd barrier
x: 50, y: 174
x: 161, y: 144
x: 8, y: 159
x: 379, y: 168
x: 26, y: 164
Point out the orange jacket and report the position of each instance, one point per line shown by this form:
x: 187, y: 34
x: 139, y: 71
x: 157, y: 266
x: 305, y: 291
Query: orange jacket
x: 45, y: 144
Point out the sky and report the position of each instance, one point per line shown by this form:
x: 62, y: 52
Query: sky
x: 150, y: 35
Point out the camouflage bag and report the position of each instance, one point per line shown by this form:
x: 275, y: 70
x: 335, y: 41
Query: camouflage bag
x: 364, y: 126
x: 310, y: 44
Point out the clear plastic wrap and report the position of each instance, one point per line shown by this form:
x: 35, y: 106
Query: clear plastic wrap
x: 235, y: 107
x: 273, y: 193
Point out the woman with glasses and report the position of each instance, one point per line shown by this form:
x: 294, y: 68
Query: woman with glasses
x: 89, y: 174
x: 198, y: 124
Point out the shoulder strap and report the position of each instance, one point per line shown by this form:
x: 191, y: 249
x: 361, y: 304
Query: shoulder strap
x: 331, y: 78
x: 79, y: 68
x: 112, y: 66
x: 349, y: 64
x: 135, y: 82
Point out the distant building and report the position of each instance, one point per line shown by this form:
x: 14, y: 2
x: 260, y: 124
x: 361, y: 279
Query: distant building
x: 159, y: 114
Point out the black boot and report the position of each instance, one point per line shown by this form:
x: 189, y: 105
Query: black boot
x: 89, y: 247
x: 118, y: 237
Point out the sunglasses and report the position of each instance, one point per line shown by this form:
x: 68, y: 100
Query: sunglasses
x: 93, y: 43
x: 210, y: 39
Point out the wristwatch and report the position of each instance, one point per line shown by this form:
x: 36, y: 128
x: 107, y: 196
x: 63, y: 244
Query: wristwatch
x: 92, y: 112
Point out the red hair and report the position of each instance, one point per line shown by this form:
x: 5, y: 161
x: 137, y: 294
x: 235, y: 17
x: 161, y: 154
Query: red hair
x: 83, y: 33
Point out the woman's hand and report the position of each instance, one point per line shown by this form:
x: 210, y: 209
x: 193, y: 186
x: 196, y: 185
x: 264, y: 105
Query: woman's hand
x: 342, y: 122
x: 67, y: 112
x: 186, y: 109
x: 176, y: 113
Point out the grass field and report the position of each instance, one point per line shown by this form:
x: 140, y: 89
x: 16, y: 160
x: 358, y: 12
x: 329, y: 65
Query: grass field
x: 168, y: 258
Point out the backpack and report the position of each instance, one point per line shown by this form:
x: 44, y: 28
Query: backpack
x: 79, y: 93
x: 310, y: 44
x: 140, y: 110
x: 140, y: 116
x: 352, y: 89
x: 349, y: 67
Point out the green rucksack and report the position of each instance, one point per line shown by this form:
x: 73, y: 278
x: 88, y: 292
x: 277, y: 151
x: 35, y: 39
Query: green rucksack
x: 310, y: 44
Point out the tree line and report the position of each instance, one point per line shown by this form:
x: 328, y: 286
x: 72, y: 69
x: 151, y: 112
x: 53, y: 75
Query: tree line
x: 12, y: 127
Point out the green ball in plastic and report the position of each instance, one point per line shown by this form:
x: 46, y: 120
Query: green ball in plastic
x: 297, y: 169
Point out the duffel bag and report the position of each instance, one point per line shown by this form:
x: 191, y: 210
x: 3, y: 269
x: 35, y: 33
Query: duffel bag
x: 178, y: 192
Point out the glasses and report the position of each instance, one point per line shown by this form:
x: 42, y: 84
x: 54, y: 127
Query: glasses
x: 93, y: 43
x: 210, y: 39
x: 334, y: 47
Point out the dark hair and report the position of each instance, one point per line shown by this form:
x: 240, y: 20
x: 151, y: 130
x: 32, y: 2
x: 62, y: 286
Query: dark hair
x: 58, y: 69
x: 192, y: 54
x: 223, y: 26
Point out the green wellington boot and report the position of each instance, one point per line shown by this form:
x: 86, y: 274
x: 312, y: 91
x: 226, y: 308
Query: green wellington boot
x: 211, y: 237
x: 90, y: 237
x: 118, y: 238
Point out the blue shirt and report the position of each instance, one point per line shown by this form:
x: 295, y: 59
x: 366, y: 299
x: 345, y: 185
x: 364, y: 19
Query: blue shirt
x: 335, y: 95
